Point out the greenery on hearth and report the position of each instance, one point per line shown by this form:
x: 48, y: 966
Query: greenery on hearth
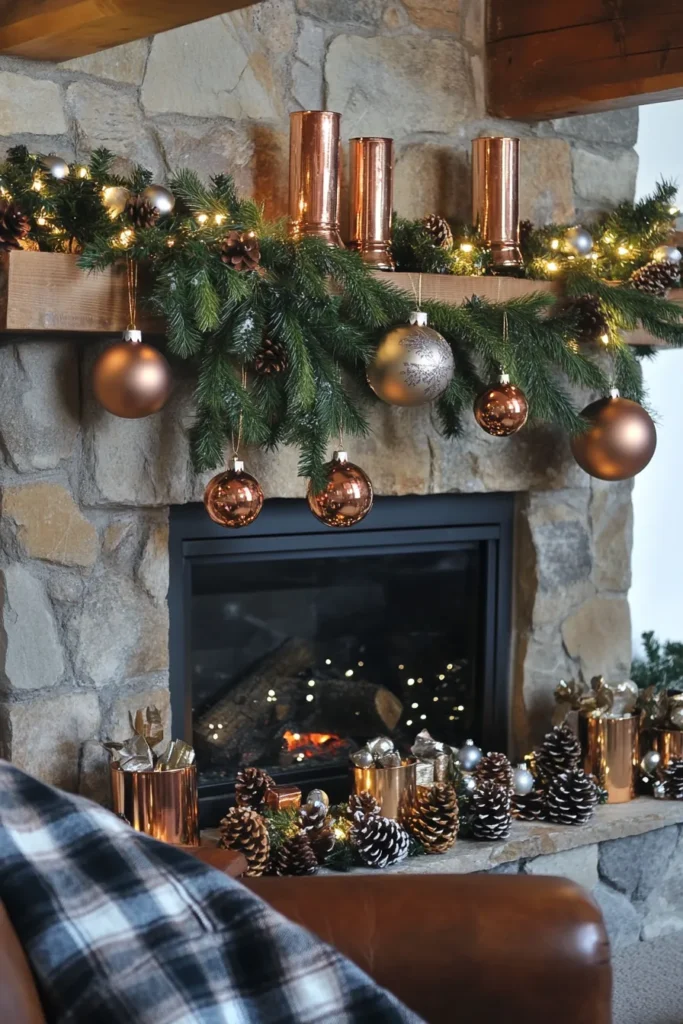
x: 662, y: 665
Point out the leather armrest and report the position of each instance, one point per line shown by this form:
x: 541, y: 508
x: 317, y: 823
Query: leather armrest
x: 19, y: 1002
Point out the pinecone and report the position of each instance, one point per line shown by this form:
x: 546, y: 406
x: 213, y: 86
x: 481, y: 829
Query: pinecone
x: 434, y: 819
x: 656, y: 278
x: 240, y: 250
x: 490, y: 812
x: 295, y: 857
x: 530, y: 807
x: 252, y: 785
x: 525, y: 229
x: 380, y: 841
x: 322, y: 842
x: 312, y: 816
x: 271, y: 358
x: 141, y: 213
x: 571, y: 798
x: 14, y: 225
x: 361, y: 805
x: 244, y: 830
x: 672, y: 777
x: 439, y: 231
x: 560, y: 751
x: 494, y: 768
x: 590, y: 320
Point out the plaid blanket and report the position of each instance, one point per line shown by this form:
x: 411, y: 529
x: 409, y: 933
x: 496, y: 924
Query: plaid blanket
x: 121, y: 928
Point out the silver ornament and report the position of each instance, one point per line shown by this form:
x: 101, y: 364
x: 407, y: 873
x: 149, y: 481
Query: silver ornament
x: 318, y: 796
x: 363, y: 758
x: 159, y: 197
x: 650, y: 762
x: 390, y: 760
x: 625, y: 697
x: 522, y: 780
x: 659, y: 791
x: 469, y: 756
x: 579, y: 240
x: 425, y: 746
x: 413, y: 365
x: 667, y: 254
x: 469, y: 783
x: 380, y: 745
x: 55, y: 166
x: 676, y: 714
x: 115, y: 198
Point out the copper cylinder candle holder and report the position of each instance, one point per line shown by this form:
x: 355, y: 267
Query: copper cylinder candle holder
x: 610, y: 753
x: 371, y: 199
x: 163, y: 805
x: 495, y: 198
x: 667, y: 742
x: 394, y: 789
x: 314, y: 175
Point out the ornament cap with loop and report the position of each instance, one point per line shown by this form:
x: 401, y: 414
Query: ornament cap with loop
x: 418, y: 318
x: 614, y: 393
x: 133, y: 335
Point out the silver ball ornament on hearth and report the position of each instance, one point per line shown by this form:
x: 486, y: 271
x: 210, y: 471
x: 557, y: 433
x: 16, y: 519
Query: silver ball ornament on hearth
x: 413, y: 364
x: 468, y: 756
x: 650, y: 762
x: 55, y: 166
x: 380, y: 745
x: 667, y: 254
x: 522, y: 780
x: 469, y: 783
x: 318, y: 796
x: 362, y: 758
x: 579, y: 241
x: 162, y: 199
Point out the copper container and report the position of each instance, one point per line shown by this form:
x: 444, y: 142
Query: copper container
x: 610, y: 752
x: 161, y: 804
x: 667, y: 742
x: 395, y: 789
x: 495, y: 197
x: 314, y: 175
x: 371, y: 199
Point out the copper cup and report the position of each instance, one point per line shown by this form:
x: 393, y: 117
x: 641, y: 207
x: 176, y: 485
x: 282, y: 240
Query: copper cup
x: 314, y: 175
x: 667, y: 742
x: 161, y: 804
x: 371, y: 199
x: 395, y: 789
x: 495, y: 197
x: 610, y: 752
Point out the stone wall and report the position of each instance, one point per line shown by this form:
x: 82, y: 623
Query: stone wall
x: 85, y: 496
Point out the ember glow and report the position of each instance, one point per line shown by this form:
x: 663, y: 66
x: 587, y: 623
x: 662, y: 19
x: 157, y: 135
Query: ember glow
x: 308, y: 741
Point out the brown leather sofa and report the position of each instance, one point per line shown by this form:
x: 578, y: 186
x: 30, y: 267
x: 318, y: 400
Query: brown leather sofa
x: 455, y: 948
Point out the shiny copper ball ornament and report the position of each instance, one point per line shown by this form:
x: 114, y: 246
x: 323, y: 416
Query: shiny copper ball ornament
x: 502, y: 409
x: 132, y: 379
x: 619, y: 442
x: 346, y: 497
x: 233, y: 498
x: 413, y: 365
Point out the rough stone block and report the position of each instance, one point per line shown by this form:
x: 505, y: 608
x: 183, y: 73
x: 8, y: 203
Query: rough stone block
x: 615, y: 126
x: 111, y: 117
x: 546, y: 192
x: 307, y: 69
x: 442, y: 15
x: 636, y: 864
x: 119, y: 63
x: 622, y: 920
x: 602, y: 180
x: 664, y: 905
x: 611, y: 511
x: 152, y: 572
x: 344, y: 12
x: 30, y: 105
x: 579, y: 865
x: 31, y: 643
x: 599, y: 635
x: 93, y: 774
x: 50, y: 526
x: 117, y: 706
x: 432, y: 179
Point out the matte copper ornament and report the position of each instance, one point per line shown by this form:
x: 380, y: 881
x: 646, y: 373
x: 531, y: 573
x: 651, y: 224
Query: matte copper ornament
x: 413, y: 365
x: 132, y: 379
x: 314, y: 175
x: 502, y: 409
x: 495, y: 197
x: 233, y: 498
x: 619, y: 442
x: 347, y: 496
x: 371, y: 199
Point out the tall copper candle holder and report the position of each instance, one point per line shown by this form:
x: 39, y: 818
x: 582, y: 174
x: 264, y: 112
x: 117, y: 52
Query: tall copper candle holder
x: 371, y: 199
x: 610, y: 750
x: 495, y: 198
x: 395, y: 789
x: 161, y: 804
x: 314, y: 175
x: 667, y: 742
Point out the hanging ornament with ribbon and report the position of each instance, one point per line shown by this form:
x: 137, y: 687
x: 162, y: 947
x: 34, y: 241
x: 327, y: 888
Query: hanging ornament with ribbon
x: 347, y: 495
x: 130, y: 378
x: 619, y: 441
x: 502, y: 408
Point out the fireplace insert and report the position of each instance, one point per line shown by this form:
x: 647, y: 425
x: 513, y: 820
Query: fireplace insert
x: 292, y: 643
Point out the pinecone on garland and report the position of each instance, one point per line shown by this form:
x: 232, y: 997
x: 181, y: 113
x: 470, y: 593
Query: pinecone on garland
x: 14, y: 225
x: 590, y: 319
x: 439, y: 231
x: 672, y: 778
x: 656, y: 278
x: 490, y: 815
x: 380, y: 841
x: 244, y: 830
x: 252, y: 786
x: 271, y: 358
x: 240, y: 250
x: 494, y: 768
x: 361, y: 805
x: 530, y: 807
x: 560, y: 751
x: 295, y: 857
x: 141, y: 213
x: 434, y: 820
x: 312, y: 816
x: 571, y: 798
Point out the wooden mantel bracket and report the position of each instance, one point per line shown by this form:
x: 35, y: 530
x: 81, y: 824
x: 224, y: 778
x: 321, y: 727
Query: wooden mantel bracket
x: 550, y: 58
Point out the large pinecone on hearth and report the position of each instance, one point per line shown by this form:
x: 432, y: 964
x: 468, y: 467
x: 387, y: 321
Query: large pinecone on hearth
x: 360, y: 805
x: 322, y: 842
x: 141, y: 213
x: 591, y: 322
x: 244, y: 830
x: 571, y: 798
x: 656, y: 278
x: 252, y: 786
x: 672, y: 777
x: 295, y: 857
x: 14, y: 225
x: 312, y: 816
x: 560, y: 751
x: 380, y: 841
x: 434, y: 819
x: 494, y: 768
x: 439, y: 231
x: 490, y: 815
x: 530, y: 807
x: 271, y: 358
x: 241, y: 251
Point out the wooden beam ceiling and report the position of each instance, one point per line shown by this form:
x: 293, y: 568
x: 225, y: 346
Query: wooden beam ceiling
x: 61, y: 29
x: 551, y: 58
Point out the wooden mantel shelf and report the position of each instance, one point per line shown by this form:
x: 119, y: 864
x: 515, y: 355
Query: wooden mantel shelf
x: 47, y: 293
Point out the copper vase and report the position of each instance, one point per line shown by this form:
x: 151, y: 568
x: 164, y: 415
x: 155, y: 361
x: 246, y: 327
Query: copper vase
x: 395, y: 789
x: 495, y: 198
x: 161, y: 804
x: 371, y: 199
x: 667, y: 742
x: 314, y: 175
x: 610, y: 752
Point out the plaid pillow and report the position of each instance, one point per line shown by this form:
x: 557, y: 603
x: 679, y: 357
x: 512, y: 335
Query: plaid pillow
x: 120, y: 928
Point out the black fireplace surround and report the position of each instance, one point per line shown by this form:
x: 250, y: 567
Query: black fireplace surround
x: 292, y: 643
